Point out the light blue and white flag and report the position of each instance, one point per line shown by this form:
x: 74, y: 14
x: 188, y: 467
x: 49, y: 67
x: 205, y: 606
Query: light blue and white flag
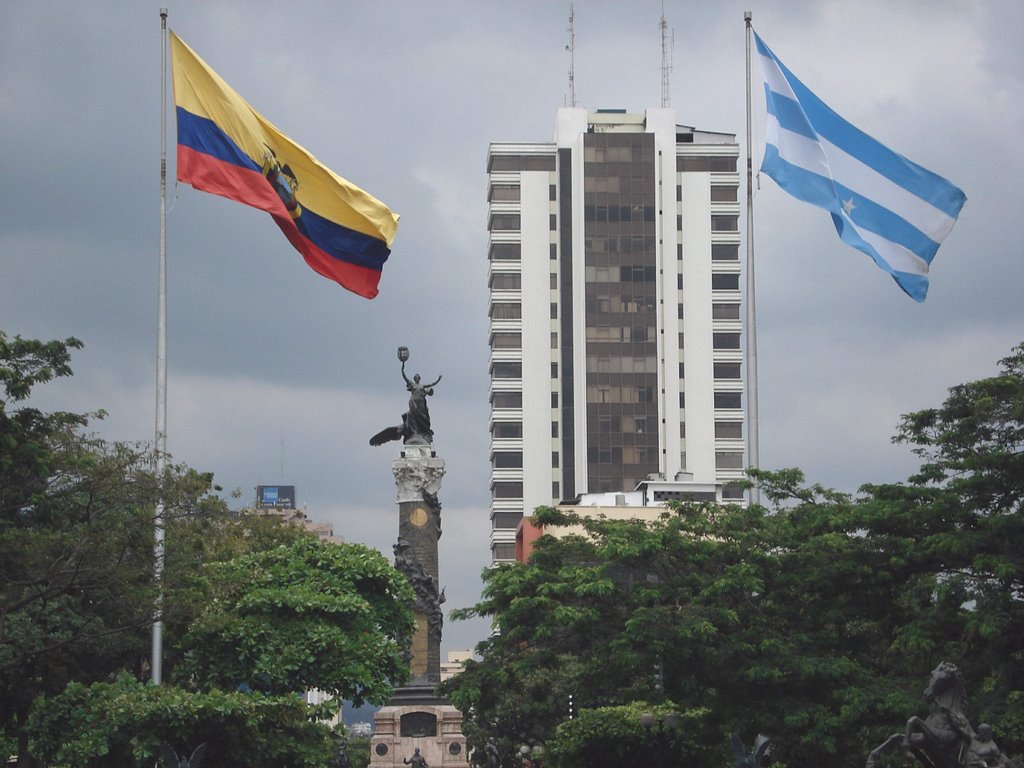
x: 893, y: 210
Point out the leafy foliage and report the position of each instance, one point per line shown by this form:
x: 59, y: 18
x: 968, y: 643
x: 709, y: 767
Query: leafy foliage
x: 815, y: 619
x: 308, y: 615
x: 77, y: 595
x: 611, y: 737
x: 118, y: 724
x: 76, y: 526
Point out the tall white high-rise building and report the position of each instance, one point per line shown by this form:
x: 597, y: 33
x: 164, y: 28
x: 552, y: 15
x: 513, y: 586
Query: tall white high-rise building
x: 615, y: 316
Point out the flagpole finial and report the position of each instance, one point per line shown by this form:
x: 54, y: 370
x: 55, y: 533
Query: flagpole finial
x: 163, y: 14
x: 747, y: 16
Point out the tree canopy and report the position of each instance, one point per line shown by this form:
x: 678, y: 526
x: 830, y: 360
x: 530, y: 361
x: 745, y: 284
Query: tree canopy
x: 308, y: 615
x: 256, y: 611
x: 815, y: 618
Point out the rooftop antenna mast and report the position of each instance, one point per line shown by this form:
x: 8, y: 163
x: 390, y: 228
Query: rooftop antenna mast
x: 668, y: 43
x: 571, y: 48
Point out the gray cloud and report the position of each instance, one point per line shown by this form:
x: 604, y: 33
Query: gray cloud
x: 279, y: 375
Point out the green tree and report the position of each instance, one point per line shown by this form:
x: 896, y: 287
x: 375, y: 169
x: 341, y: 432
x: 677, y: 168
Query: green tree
x: 308, y: 615
x: 971, y: 482
x: 76, y: 524
x: 77, y: 596
x: 815, y: 618
x: 124, y: 723
x: 612, y: 737
x: 629, y: 612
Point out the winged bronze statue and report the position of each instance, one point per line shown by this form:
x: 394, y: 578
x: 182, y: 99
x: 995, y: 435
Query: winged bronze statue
x: 415, y: 427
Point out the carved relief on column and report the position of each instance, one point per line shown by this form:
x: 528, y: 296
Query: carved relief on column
x: 414, y: 476
x: 428, y: 597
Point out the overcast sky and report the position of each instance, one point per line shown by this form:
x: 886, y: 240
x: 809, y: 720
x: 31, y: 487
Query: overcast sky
x: 277, y: 375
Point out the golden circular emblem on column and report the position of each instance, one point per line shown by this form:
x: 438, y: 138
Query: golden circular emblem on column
x: 418, y: 517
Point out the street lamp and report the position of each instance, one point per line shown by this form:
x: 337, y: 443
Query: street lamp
x: 529, y: 757
x: 664, y: 729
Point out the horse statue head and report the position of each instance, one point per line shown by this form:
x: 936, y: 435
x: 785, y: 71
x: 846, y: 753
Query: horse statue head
x: 946, y: 688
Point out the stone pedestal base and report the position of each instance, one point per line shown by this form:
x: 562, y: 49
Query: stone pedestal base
x: 415, y: 718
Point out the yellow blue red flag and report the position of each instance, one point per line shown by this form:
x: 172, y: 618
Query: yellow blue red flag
x: 227, y: 148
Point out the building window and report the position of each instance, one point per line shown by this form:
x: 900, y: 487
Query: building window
x: 725, y: 311
x: 503, y: 163
x: 722, y: 223
x: 638, y: 274
x: 725, y: 340
x: 507, y: 400
x: 725, y: 252
x: 502, y: 490
x: 552, y: 192
x: 727, y: 370
x: 554, y: 340
x: 724, y: 194
x: 507, y: 460
x: 729, y: 430
x: 505, y: 252
x: 554, y: 429
x: 554, y: 370
x: 504, y: 551
x: 553, y: 222
x: 506, y: 310
x: 554, y: 459
x: 506, y: 281
x: 554, y: 311
x: 507, y: 370
x: 728, y: 460
x: 506, y: 520
x: 505, y: 222
x: 506, y: 429
x: 682, y: 399
x: 554, y: 281
x: 730, y: 400
x: 509, y: 340
x: 732, y: 492
x: 503, y: 193
x: 554, y: 399
x: 553, y: 251
x: 706, y: 164
x: 555, y: 491
x: 721, y: 281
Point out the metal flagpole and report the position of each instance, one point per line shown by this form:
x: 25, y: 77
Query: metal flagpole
x: 752, y: 429
x: 161, y: 371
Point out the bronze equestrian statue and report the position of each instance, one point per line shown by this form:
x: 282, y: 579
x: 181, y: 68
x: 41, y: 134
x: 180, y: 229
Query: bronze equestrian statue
x: 945, y: 738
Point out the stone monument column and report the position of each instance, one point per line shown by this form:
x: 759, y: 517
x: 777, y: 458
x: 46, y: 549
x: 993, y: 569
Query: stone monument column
x: 416, y: 721
x: 418, y: 476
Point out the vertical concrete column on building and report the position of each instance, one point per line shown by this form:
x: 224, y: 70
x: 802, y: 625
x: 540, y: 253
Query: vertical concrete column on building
x: 418, y: 474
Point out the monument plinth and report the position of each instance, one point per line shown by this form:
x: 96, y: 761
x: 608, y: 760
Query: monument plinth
x: 416, y: 721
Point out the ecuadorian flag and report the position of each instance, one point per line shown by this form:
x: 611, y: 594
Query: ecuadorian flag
x: 228, y: 148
